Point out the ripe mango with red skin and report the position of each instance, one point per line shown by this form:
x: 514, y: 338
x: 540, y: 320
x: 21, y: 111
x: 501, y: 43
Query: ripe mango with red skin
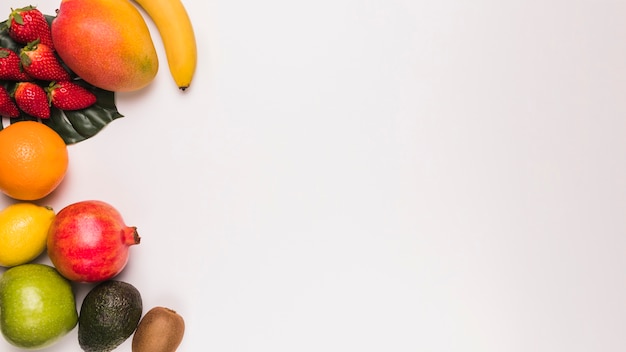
x: 89, y: 242
x: 105, y: 42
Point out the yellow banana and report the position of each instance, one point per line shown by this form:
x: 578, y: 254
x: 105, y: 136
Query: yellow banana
x: 179, y: 41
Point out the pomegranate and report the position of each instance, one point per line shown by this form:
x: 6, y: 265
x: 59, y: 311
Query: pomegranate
x: 88, y: 241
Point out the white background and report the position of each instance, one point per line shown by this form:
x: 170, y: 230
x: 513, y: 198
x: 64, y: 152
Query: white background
x: 377, y: 175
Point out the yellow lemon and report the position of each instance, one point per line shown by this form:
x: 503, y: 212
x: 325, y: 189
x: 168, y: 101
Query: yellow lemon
x: 23, y: 232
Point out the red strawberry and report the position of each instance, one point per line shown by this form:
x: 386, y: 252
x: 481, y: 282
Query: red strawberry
x: 11, y: 67
x: 32, y: 99
x: 39, y: 62
x: 70, y: 96
x: 28, y: 24
x: 7, y: 105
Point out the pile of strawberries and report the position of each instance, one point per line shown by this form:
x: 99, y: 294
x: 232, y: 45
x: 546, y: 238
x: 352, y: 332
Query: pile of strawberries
x: 34, y: 80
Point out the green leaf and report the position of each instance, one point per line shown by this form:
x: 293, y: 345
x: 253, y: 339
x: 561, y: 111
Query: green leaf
x: 73, y: 126
x: 18, y: 18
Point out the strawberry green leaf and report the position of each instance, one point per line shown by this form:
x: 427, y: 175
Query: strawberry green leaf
x: 18, y: 18
x: 73, y: 126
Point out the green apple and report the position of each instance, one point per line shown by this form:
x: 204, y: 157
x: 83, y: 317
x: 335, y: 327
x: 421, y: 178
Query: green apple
x: 37, y: 306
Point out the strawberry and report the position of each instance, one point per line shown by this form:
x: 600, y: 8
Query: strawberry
x: 11, y: 67
x: 7, y: 105
x: 32, y: 99
x: 27, y: 24
x: 69, y: 96
x: 39, y: 62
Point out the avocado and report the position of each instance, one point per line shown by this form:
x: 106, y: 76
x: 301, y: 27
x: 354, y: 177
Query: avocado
x: 109, y: 315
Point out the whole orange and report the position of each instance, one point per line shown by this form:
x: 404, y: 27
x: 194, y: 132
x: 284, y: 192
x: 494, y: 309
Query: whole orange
x: 33, y: 160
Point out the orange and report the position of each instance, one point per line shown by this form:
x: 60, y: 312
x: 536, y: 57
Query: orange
x: 33, y: 160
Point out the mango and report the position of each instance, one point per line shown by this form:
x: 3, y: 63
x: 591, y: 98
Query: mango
x: 107, y: 43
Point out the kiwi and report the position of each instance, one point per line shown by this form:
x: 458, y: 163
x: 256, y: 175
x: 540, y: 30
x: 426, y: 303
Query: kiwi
x: 160, y: 330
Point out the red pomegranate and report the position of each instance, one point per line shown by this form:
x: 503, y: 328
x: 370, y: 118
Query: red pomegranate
x: 88, y: 241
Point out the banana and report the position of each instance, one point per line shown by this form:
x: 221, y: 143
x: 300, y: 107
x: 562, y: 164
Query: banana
x: 179, y: 41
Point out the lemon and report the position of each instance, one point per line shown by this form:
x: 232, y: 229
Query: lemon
x: 23, y: 232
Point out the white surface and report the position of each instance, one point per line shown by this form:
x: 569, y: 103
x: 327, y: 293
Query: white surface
x: 378, y: 176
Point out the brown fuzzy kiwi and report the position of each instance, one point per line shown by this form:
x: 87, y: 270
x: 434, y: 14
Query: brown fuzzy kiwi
x: 160, y: 330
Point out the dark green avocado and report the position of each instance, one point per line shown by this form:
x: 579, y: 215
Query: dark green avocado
x: 108, y: 316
